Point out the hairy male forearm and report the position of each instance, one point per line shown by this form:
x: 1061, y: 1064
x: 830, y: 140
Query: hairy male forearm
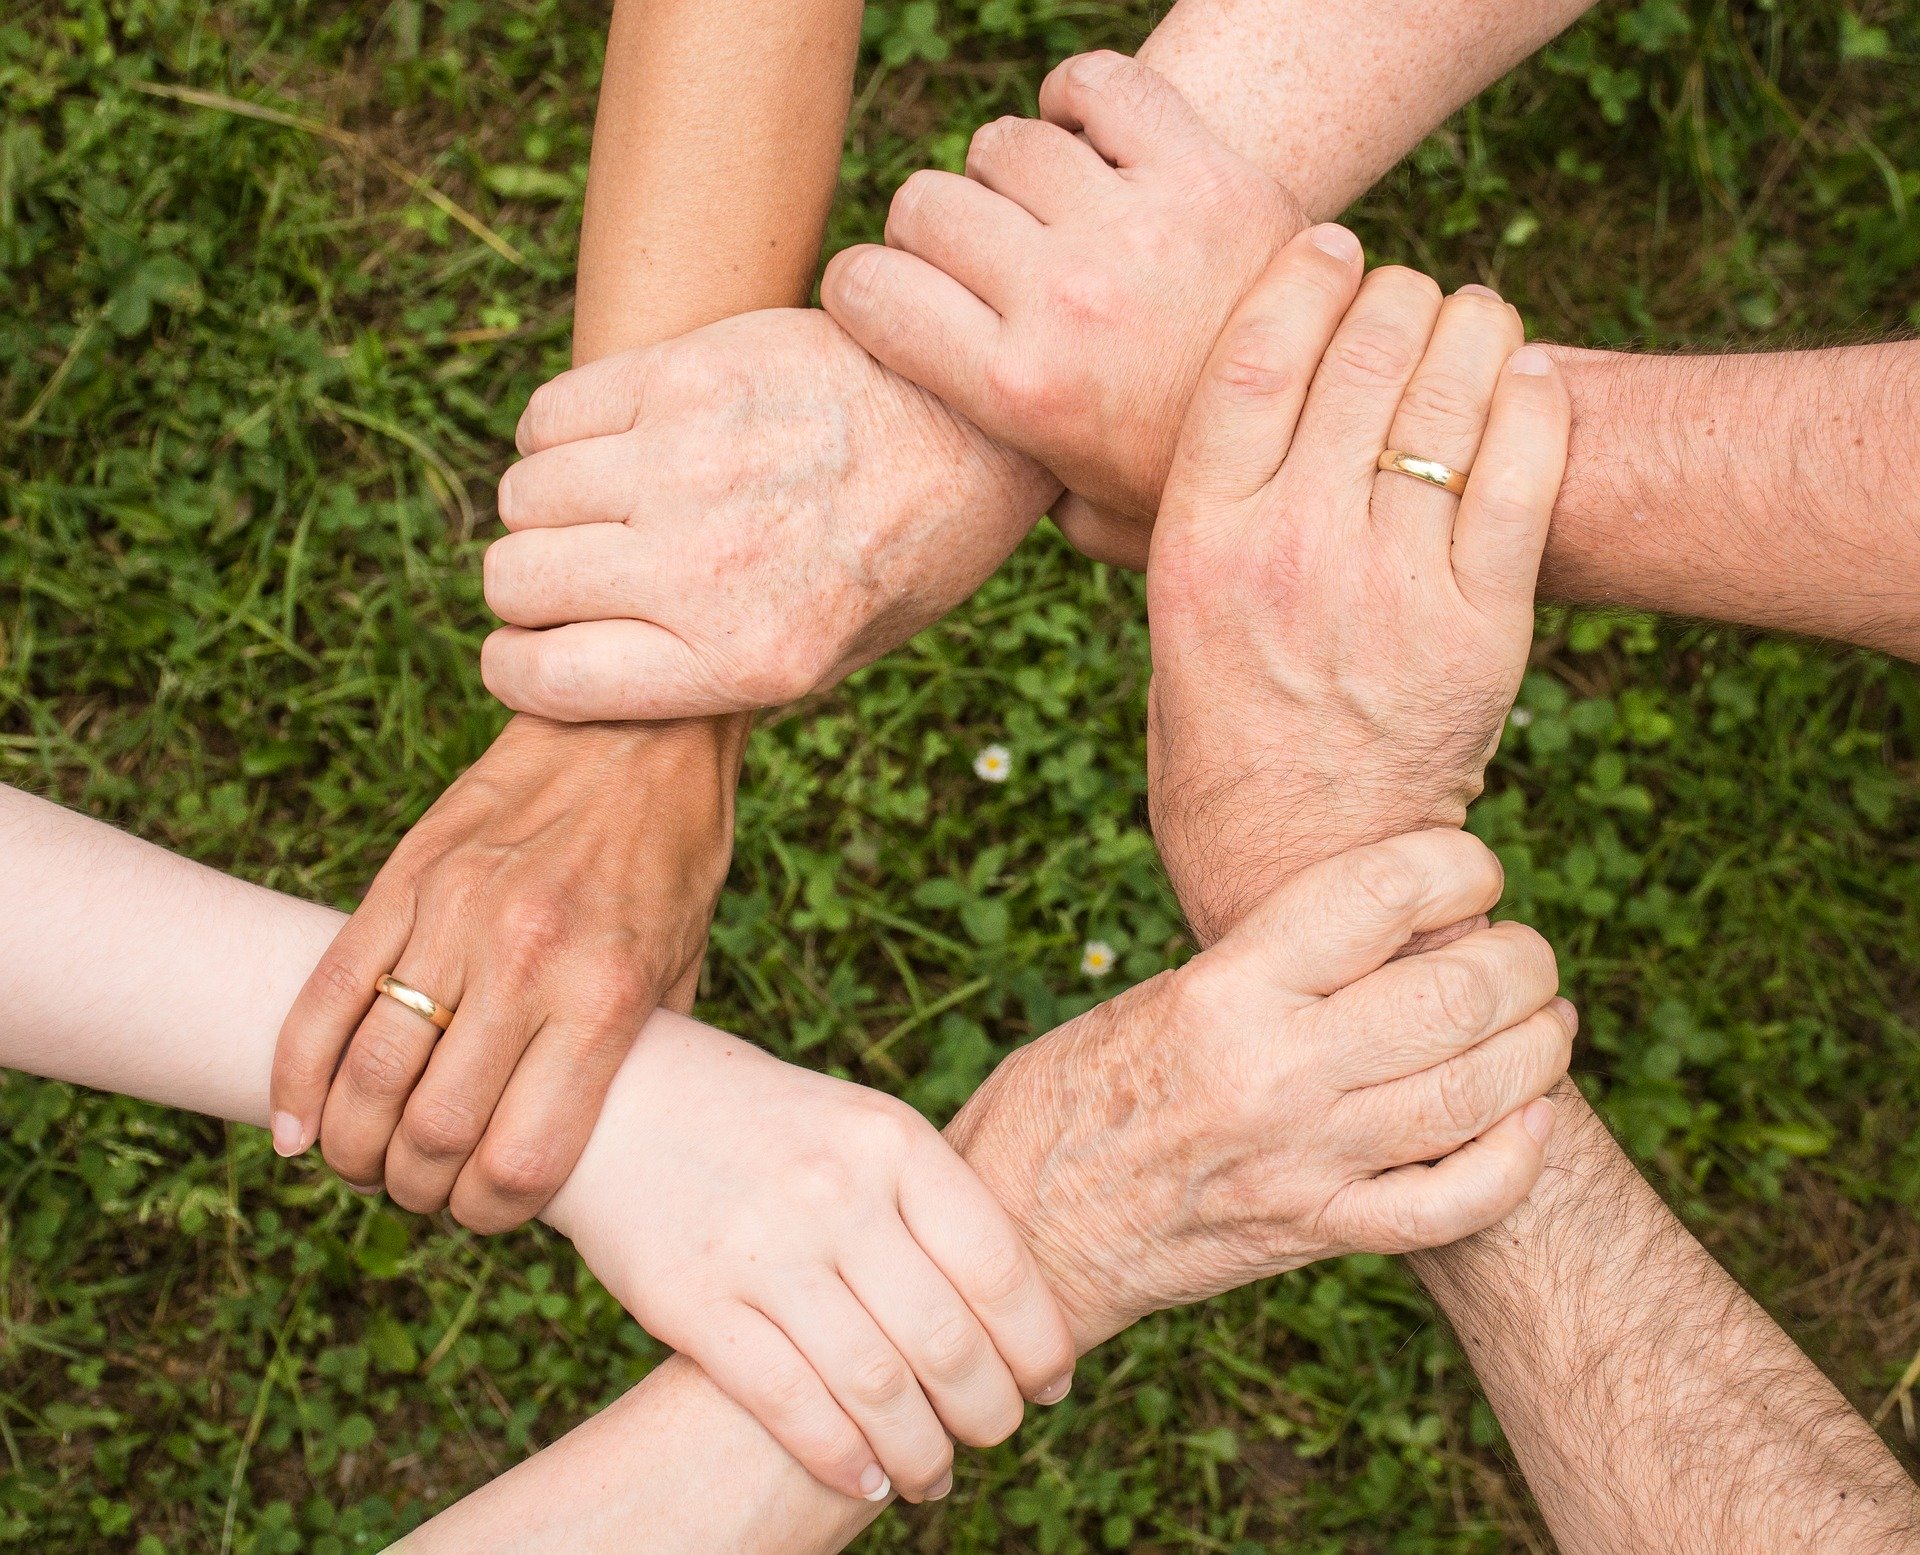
x: 1651, y: 1403
x: 1765, y: 489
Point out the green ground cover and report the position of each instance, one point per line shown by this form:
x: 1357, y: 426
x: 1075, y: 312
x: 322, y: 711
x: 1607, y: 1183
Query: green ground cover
x: 255, y: 385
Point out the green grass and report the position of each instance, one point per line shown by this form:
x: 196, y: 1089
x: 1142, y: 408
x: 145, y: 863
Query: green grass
x: 254, y: 389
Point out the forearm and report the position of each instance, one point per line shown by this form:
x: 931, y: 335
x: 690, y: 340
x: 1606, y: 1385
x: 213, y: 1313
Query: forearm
x: 130, y: 969
x: 1766, y: 490
x: 1326, y: 95
x: 716, y: 150
x: 1651, y: 1403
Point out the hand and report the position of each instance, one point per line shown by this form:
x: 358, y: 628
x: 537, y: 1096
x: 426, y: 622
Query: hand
x: 1335, y: 648
x: 821, y: 1252
x: 552, y: 896
x: 1064, y: 295
x: 1279, y: 1099
x: 733, y: 520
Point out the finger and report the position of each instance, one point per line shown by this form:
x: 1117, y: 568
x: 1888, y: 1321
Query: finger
x: 1336, y: 921
x: 545, y: 1115
x: 1501, y: 530
x: 1477, y: 1186
x: 983, y: 240
x: 1130, y: 113
x: 333, y: 1001
x: 978, y: 1253
x: 1101, y: 535
x: 870, y: 1379
x: 1422, y: 1010
x: 1042, y: 168
x: 919, y: 321
x: 1442, y: 416
x: 1240, y: 421
x: 588, y: 481
x: 598, y: 399
x: 1360, y: 382
x: 605, y: 671
x: 447, y: 1112
x: 592, y: 572
x: 1438, y: 1110
x: 385, y: 1060
x: 937, y: 1334
x: 755, y: 1364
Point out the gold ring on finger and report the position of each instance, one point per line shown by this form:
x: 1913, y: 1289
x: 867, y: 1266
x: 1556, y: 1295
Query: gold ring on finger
x: 422, y: 1004
x: 1432, y: 471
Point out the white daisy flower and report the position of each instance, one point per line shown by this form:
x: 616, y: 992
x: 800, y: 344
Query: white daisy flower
x: 1097, y: 959
x: 994, y: 764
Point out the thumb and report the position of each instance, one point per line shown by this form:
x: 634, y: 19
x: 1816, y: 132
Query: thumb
x: 1102, y: 535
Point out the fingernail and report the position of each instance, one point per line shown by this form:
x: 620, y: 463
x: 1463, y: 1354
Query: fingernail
x: 941, y: 1490
x: 1537, y: 1120
x: 1475, y: 289
x: 289, y: 1134
x: 369, y: 1189
x: 1530, y: 362
x: 1054, y: 1391
x: 1564, y: 1008
x: 874, y: 1484
x: 1332, y: 238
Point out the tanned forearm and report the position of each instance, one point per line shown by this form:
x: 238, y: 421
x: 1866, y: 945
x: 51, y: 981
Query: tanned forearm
x: 1651, y: 1403
x: 1768, y: 490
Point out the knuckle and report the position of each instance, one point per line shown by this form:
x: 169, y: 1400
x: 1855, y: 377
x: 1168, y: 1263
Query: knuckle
x: 999, y: 1271
x: 340, y: 984
x: 521, y: 1170
x: 1461, y: 991
x: 442, y: 1128
x: 993, y: 140
x: 1026, y: 384
x: 953, y: 1347
x: 926, y: 1467
x: 1444, y: 398
x: 1371, y: 354
x: 539, y: 422
x: 879, y: 1380
x: 786, y: 1389
x: 911, y: 201
x: 1460, y: 1099
x: 528, y: 927
x: 998, y: 1422
x: 557, y: 675
x: 379, y: 1064
x: 1255, y: 360
x: 1386, y: 882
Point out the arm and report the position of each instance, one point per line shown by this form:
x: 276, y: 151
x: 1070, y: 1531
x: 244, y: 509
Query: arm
x: 1652, y: 1405
x: 856, y: 508
x: 133, y: 969
x: 1679, y: 1416
x: 593, y: 856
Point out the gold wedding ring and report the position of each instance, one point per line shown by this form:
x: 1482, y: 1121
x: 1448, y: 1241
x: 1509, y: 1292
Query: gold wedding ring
x: 424, y: 1005
x: 1432, y: 471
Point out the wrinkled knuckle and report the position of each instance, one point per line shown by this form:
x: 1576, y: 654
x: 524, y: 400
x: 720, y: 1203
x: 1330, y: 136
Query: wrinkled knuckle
x: 442, y: 1128
x: 1405, y: 284
x: 784, y: 670
x: 1255, y: 360
x: 1371, y: 355
x: 999, y: 1272
x: 380, y: 1065
x: 910, y: 200
x: 822, y: 1179
x: 1443, y: 399
x: 953, y: 1347
x: 992, y: 142
x: 556, y: 675
x: 1386, y: 883
x: 925, y: 1469
x: 786, y: 1388
x: 879, y: 1380
x: 1092, y: 71
x: 1461, y: 992
x: 522, y: 1170
x: 340, y: 984
x: 1458, y: 1096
